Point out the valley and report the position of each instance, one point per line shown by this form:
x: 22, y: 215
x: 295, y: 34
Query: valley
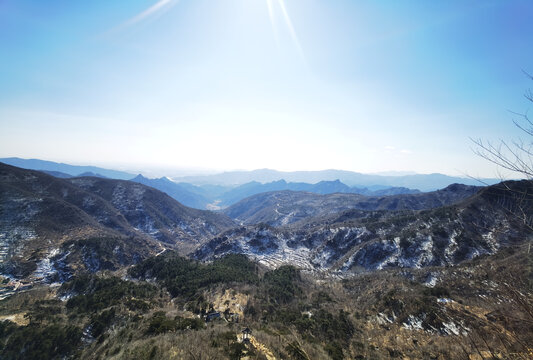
x: 99, y: 268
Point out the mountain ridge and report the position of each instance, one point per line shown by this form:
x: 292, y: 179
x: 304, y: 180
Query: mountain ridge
x: 73, y: 170
x: 422, y: 182
x: 278, y: 208
x: 359, y: 240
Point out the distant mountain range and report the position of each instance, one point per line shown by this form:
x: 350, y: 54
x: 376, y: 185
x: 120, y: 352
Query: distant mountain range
x: 62, y: 170
x: 222, y: 190
x: 422, y: 182
x: 206, y: 196
x: 215, y: 197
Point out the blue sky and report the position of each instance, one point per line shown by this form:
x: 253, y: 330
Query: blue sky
x: 366, y: 86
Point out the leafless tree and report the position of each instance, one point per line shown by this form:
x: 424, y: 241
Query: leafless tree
x: 515, y: 156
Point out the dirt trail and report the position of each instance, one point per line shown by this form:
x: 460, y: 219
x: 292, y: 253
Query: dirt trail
x: 259, y: 347
x: 262, y: 348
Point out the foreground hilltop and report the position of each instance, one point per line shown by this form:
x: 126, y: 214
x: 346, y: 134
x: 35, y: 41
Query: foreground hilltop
x: 171, y: 307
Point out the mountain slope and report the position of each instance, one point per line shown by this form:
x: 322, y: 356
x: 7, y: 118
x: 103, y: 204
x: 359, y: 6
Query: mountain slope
x: 154, y: 212
x: 57, y: 174
x: 287, y: 207
x: 369, y: 240
x: 40, y: 217
x: 90, y: 222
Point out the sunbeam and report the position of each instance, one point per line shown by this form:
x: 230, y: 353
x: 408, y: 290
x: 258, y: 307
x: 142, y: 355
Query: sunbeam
x: 158, y: 8
x: 272, y: 21
x: 291, y: 29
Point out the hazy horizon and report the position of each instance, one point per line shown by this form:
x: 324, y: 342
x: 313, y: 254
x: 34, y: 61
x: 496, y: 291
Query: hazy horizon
x: 177, y: 173
x: 287, y: 85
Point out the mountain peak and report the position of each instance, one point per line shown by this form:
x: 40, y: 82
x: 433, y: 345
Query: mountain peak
x: 93, y: 174
x: 166, y: 180
x: 139, y: 177
x: 336, y: 181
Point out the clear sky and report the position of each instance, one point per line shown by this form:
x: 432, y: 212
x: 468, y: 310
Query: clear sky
x: 366, y: 86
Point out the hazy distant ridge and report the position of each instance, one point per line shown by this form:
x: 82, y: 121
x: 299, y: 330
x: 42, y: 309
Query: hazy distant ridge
x: 211, y: 191
x: 422, y: 182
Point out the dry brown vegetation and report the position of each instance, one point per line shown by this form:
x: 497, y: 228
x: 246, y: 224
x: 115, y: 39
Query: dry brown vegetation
x: 487, y: 314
